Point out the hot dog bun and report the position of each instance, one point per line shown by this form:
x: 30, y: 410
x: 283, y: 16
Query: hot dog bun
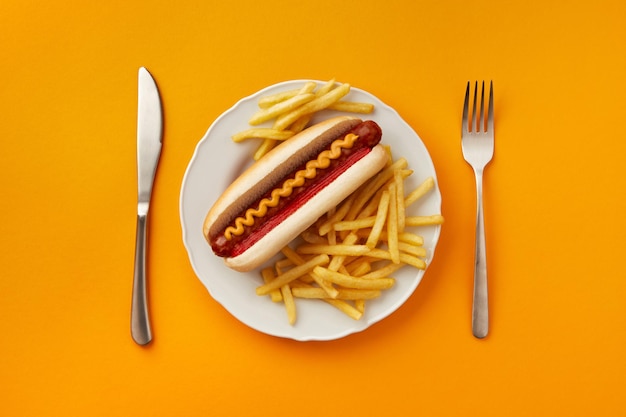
x: 281, y: 160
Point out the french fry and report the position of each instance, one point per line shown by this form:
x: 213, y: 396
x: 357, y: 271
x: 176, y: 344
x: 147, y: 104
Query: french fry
x: 352, y: 107
x: 412, y: 250
x: 420, y: 191
x: 404, y: 258
x: 262, y: 133
x: 269, y: 100
x: 413, y: 261
x: 407, y: 237
x: 277, y: 109
x: 265, y: 147
x: 268, y: 276
x: 351, y: 225
x: 285, y: 263
x: 348, y: 281
x: 292, y: 256
x: 328, y: 85
x: 346, y: 308
x: 379, y: 222
x: 332, y: 237
x: 360, y: 305
x: 290, y: 305
x: 424, y: 220
x: 272, y: 99
x: 301, y: 123
x: 411, y: 238
x: 400, y: 209
x: 334, y: 250
x: 382, y: 272
x: 343, y: 294
x: 292, y: 274
x: 392, y: 225
x: 308, y: 87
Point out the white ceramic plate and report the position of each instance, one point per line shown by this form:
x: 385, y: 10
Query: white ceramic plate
x: 217, y: 161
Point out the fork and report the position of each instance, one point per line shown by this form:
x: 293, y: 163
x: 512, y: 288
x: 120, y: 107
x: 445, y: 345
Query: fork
x: 477, y: 142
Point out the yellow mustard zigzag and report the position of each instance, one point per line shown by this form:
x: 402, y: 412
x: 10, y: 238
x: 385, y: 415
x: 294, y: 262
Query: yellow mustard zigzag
x: 310, y: 171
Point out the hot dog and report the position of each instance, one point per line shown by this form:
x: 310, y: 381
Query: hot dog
x: 286, y: 191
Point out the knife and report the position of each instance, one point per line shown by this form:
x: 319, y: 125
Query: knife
x: 149, y: 138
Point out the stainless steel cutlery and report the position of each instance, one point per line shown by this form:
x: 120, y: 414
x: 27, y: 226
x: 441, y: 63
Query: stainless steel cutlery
x: 149, y: 139
x: 477, y: 141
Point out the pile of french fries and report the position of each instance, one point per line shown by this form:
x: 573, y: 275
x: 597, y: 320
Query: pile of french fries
x: 292, y: 110
x: 351, y: 253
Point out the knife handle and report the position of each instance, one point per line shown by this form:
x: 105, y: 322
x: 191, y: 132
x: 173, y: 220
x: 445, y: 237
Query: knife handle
x: 140, y: 323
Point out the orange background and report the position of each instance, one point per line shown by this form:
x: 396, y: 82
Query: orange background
x: 554, y: 203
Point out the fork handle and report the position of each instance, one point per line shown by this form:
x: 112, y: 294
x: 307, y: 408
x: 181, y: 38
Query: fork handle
x: 480, y: 309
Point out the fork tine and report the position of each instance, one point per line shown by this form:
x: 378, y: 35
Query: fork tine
x: 490, y: 110
x: 480, y: 127
x: 465, y: 120
x: 475, y: 120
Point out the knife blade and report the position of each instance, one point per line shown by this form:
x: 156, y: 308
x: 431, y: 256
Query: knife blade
x: 149, y: 142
